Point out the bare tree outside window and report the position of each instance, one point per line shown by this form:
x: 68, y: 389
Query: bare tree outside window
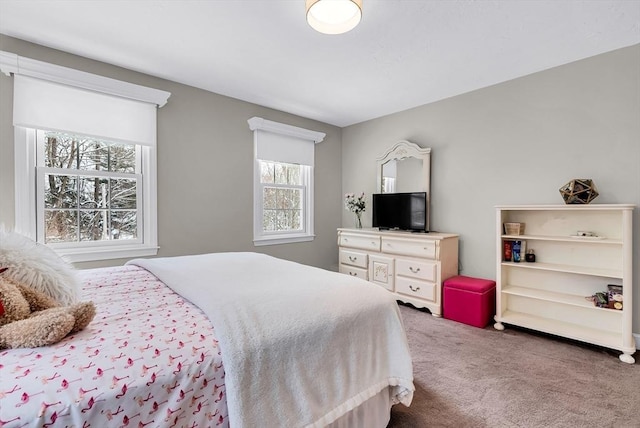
x: 283, y: 196
x: 90, y: 189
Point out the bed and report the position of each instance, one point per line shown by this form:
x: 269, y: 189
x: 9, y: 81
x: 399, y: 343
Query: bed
x: 225, y: 339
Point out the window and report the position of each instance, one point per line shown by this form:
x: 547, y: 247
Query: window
x: 284, y: 191
x: 283, y: 182
x: 85, y: 160
x: 89, y: 199
x: 88, y: 190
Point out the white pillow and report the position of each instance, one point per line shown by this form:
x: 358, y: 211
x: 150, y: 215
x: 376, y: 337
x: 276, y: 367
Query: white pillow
x: 39, y: 267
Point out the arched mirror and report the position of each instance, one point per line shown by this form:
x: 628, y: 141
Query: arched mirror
x: 405, y: 167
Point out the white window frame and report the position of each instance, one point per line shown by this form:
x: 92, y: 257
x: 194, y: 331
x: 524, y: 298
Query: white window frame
x: 261, y: 237
x: 29, y: 206
x: 42, y: 170
x: 25, y: 168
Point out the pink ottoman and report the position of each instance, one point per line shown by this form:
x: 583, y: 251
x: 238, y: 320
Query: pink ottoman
x: 469, y: 300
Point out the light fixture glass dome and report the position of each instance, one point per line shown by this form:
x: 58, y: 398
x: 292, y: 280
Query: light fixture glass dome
x: 333, y: 16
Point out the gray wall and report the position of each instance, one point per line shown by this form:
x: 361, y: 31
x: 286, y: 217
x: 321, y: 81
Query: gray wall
x: 516, y: 143
x: 205, y: 166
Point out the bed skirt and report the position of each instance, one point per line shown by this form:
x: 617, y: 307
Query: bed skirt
x: 373, y: 413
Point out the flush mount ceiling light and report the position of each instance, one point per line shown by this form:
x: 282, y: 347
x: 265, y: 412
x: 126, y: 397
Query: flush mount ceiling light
x: 333, y: 16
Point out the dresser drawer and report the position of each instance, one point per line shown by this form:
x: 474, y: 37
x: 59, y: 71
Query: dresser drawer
x: 363, y: 242
x: 416, y: 288
x: 353, y: 271
x: 353, y: 258
x: 408, y: 247
x: 416, y: 269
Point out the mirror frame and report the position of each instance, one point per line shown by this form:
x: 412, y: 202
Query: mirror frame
x: 406, y: 149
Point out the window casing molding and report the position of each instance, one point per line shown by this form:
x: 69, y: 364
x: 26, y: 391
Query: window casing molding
x: 261, y: 237
x: 11, y: 63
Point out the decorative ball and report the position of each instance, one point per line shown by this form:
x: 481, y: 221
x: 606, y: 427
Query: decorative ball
x: 579, y: 191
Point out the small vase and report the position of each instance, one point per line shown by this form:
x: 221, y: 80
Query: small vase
x: 358, y: 220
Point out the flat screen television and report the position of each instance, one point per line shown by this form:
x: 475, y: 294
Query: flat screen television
x: 404, y: 211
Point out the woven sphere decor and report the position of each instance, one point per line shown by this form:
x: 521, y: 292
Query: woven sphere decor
x: 579, y: 191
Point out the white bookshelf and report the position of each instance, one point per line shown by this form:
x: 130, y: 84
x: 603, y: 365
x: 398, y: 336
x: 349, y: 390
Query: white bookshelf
x: 550, y: 294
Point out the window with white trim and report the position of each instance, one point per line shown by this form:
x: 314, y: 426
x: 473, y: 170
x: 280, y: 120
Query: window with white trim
x: 88, y: 190
x: 85, y: 160
x: 283, y: 182
x: 284, y: 190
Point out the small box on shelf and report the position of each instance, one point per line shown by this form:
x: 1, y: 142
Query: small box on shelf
x: 514, y: 228
x: 614, y: 295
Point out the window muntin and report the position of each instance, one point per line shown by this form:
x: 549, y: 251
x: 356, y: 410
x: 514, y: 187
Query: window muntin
x: 88, y: 191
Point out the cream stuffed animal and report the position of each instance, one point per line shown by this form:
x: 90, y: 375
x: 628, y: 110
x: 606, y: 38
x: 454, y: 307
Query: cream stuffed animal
x: 29, y: 318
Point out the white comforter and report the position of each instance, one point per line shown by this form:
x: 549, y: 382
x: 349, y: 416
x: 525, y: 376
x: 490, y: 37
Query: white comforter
x: 301, y: 346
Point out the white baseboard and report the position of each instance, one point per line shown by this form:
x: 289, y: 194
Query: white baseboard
x: 637, y: 338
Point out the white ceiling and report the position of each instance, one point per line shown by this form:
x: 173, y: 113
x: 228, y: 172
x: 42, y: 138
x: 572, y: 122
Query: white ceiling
x: 403, y: 54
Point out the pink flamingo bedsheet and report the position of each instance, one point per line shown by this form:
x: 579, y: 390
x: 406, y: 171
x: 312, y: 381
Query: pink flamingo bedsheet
x: 149, y: 359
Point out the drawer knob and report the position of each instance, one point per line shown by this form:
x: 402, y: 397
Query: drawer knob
x: 353, y: 259
x: 414, y: 289
x: 353, y: 274
x: 416, y: 270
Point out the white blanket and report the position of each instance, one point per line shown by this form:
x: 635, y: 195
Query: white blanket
x: 301, y: 346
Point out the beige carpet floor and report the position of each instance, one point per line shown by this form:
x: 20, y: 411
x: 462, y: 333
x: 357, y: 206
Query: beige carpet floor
x: 471, y: 377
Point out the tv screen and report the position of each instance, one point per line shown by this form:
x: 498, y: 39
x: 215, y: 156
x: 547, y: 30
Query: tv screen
x: 404, y: 211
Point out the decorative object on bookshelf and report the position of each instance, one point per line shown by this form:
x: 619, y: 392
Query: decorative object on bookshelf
x: 599, y: 299
x: 614, y: 296
x: 585, y: 234
x: 579, y: 191
x: 611, y: 299
x: 530, y: 256
x: 514, y: 228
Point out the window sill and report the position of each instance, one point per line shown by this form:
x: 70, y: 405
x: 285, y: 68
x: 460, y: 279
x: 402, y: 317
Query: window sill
x: 75, y: 255
x: 275, y: 240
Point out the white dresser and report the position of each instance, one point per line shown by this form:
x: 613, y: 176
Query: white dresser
x: 412, y: 266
